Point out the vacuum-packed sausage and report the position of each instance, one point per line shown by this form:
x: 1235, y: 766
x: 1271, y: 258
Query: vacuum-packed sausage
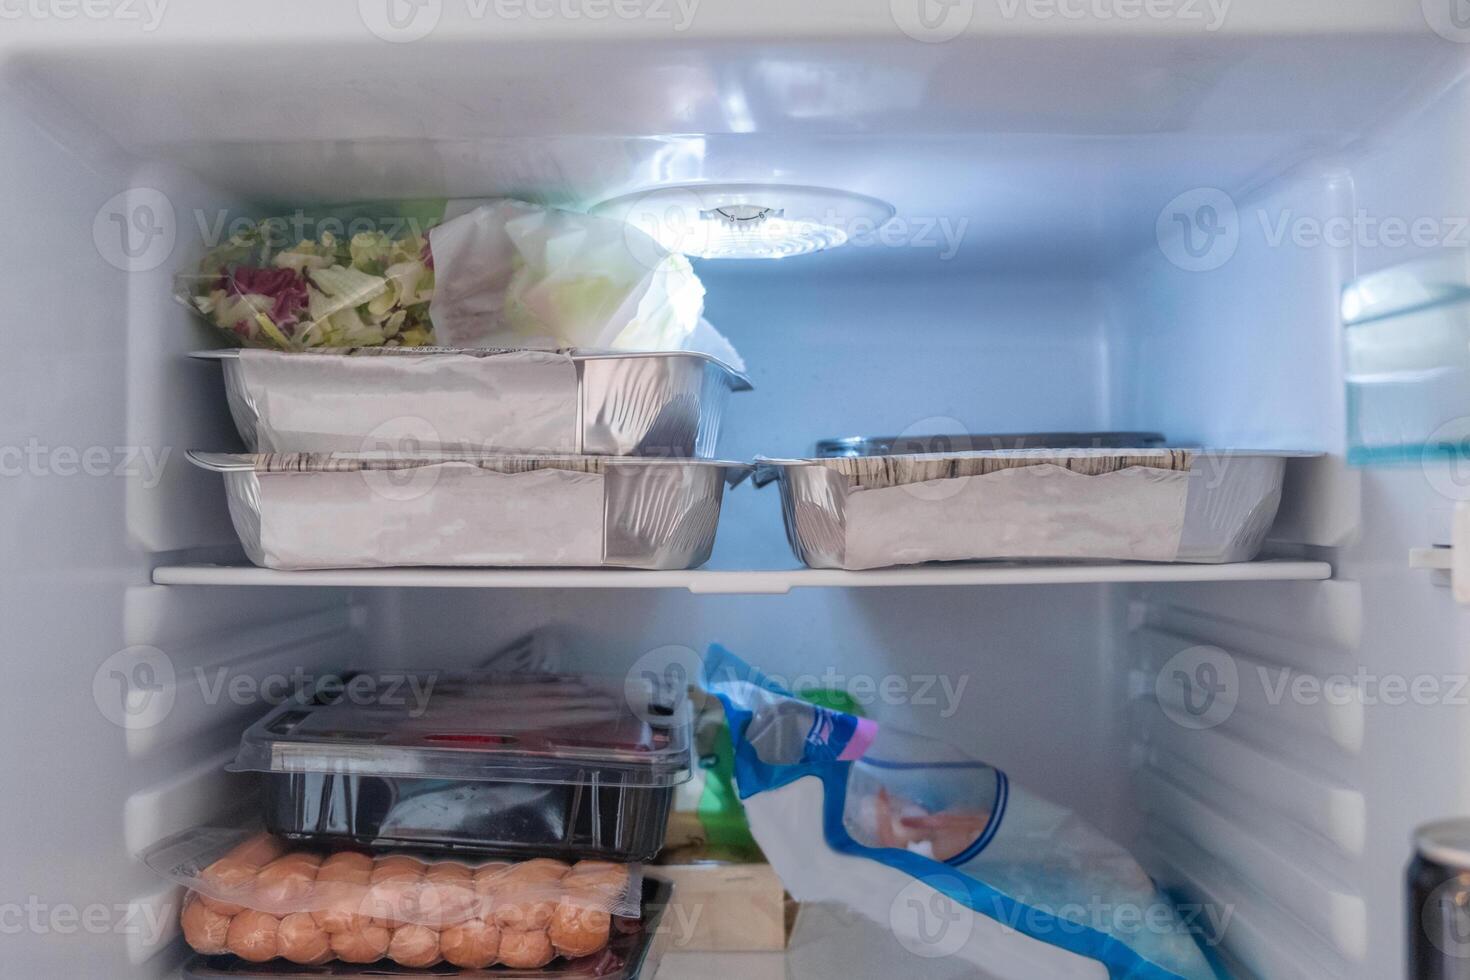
x: 414, y: 946
x: 471, y: 945
x: 365, y: 944
x: 285, y: 883
x: 526, y: 950
x: 254, y: 936
x: 302, y: 941
x: 206, y: 930
x: 341, y: 890
x: 234, y: 874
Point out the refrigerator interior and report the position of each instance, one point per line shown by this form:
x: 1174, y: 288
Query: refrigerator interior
x: 1048, y: 157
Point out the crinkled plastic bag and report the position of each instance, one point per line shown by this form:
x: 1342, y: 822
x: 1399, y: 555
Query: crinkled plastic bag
x: 515, y: 275
x: 262, y: 898
x: 943, y: 850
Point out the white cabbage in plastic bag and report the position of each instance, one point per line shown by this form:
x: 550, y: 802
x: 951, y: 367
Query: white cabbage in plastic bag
x: 515, y: 275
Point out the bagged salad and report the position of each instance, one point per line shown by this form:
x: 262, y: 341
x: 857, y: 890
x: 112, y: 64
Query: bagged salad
x: 960, y: 863
x: 261, y: 898
x: 458, y: 274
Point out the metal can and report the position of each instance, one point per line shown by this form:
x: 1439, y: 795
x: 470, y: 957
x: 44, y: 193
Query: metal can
x: 1439, y: 902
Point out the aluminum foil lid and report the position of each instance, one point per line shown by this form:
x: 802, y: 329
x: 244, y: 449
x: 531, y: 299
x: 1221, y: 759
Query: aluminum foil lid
x: 971, y: 442
x: 737, y: 380
x: 893, y: 471
x: 496, y: 462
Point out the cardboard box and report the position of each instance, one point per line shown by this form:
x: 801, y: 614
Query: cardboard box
x: 725, y: 908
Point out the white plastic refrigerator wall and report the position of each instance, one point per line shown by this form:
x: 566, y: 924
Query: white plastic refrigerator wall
x: 1104, y: 221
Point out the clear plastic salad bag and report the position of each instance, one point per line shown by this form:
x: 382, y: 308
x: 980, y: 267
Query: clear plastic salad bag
x: 358, y: 275
x: 942, y: 849
x: 457, y: 274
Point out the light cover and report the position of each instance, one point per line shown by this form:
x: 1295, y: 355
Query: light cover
x: 748, y: 221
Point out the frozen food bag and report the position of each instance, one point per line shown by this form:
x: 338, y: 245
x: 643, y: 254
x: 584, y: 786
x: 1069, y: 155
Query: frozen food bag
x: 261, y: 898
x: 458, y: 274
x: 959, y: 862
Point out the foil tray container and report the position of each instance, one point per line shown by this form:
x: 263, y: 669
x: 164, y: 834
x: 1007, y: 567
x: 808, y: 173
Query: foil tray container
x: 1170, y: 505
x: 977, y: 442
x: 635, y: 953
x: 354, y: 510
x: 377, y: 399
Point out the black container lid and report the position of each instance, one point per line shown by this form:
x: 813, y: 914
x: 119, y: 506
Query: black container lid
x: 538, y: 728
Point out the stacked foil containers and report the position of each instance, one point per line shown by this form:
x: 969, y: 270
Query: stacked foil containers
x: 397, y: 457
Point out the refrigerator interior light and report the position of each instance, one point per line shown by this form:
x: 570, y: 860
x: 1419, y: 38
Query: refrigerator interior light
x: 748, y: 221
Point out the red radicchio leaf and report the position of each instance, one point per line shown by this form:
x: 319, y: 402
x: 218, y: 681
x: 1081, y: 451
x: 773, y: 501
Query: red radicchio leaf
x: 285, y: 287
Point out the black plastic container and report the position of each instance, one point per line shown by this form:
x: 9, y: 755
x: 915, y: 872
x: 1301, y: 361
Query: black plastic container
x: 513, y: 764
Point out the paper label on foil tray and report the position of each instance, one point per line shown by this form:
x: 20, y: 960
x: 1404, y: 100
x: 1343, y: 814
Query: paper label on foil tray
x: 454, y: 514
x: 518, y: 401
x: 1030, y: 512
